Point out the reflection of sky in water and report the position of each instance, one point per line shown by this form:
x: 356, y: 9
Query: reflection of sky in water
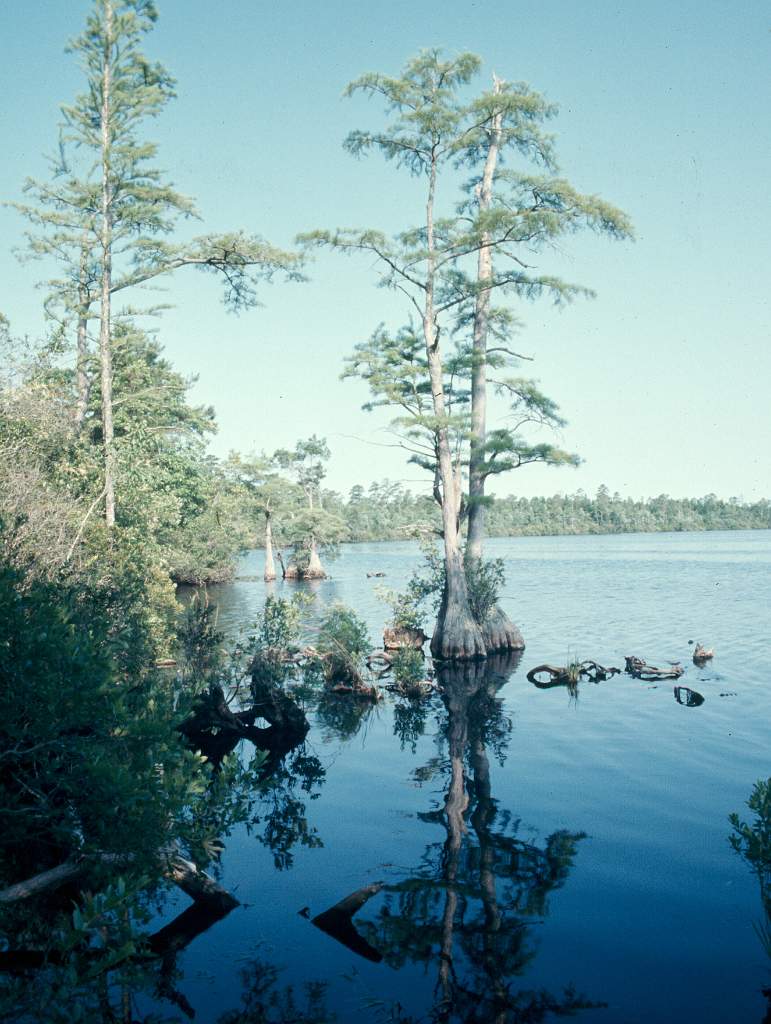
x: 655, y: 916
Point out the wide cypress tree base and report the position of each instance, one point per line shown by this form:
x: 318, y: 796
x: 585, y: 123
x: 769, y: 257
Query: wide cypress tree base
x: 499, y: 633
x: 457, y: 637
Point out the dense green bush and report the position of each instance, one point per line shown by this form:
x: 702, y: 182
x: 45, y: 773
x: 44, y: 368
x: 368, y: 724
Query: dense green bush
x: 343, y: 642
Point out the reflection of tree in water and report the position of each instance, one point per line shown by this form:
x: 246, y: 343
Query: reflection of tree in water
x: 265, y: 1001
x: 410, y: 718
x: 279, y: 817
x: 470, y: 906
x: 343, y: 716
x: 753, y: 843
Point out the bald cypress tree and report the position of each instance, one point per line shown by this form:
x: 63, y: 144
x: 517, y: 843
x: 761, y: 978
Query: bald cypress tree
x: 515, y: 216
x: 108, y: 217
x: 444, y: 265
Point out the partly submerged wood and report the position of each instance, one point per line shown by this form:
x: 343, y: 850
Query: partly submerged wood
x: 397, y: 637
x: 199, y: 886
x: 545, y: 676
x: 640, y: 669
x: 338, y: 922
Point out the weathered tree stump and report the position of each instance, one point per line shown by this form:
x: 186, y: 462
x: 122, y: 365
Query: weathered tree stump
x: 702, y: 654
x: 397, y: 637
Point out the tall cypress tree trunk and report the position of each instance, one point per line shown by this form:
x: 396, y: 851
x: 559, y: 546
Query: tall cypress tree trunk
x: 84, y: 303
x: 456, y: 634
x: 270, y: 567
x: 498, y: 632
x: 105, y: 346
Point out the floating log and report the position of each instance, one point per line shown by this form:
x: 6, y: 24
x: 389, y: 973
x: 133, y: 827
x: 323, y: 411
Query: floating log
x: 640, y: 669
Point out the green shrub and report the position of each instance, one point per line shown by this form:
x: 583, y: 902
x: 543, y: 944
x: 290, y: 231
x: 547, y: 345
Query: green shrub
x: 484, y: 580
x: 409, y: 667
x: 343, y: 641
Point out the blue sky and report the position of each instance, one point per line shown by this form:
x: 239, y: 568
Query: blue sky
x: 663, y: 378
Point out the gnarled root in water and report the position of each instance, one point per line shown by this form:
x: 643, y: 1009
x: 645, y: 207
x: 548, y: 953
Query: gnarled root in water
x: 562, y: 676
x: 499, y: 632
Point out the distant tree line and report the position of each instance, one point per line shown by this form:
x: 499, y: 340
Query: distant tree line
x: 388, y: 511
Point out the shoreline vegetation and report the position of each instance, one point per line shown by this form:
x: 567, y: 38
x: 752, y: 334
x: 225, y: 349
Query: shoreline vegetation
x: 387, y: 512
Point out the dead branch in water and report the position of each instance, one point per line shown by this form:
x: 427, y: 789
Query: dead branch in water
x: 569, y: 676
x: 338, y: 922
x: 639, y: 669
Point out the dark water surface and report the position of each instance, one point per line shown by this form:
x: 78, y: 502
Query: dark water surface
x: 542, y: 841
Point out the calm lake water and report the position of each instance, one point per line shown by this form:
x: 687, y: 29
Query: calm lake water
x: 530, y: 843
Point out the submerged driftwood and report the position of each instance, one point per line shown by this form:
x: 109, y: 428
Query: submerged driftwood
x: 215, y: 730
x: 194, y: 883
x: 379, y: 662
x: 338, y: 922
x: 640, y: 669
x: 545, y: 676
x: 210, y: 904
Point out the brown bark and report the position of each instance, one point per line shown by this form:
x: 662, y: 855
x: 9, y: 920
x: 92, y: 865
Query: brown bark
x: 105, y: 341
x: 270, y: 567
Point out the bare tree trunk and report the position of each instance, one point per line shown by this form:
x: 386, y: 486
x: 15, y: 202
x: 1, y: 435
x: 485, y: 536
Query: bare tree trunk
x: 105, y: 346
x: 84, y: 304
x: 315, y: 570
x: 270, y: 568
x: 498, y: 632
x: 456, y: 634
x: 476, y: 489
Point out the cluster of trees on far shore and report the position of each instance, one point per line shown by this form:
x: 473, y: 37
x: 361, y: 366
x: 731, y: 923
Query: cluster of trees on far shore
x: 388, y: 511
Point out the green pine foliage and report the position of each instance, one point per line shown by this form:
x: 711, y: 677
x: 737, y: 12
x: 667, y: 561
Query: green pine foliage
x: 388, y: 511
